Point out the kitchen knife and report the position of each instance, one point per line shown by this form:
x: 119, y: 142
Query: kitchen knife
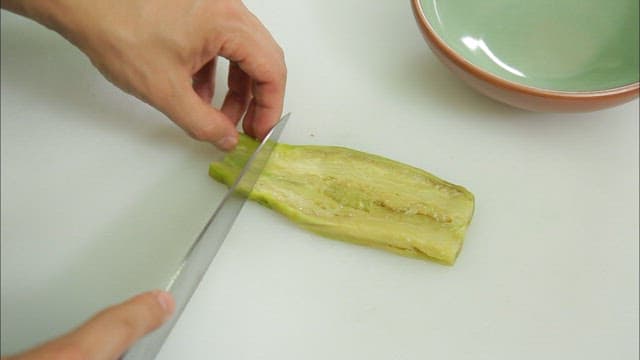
x: 206, y: 245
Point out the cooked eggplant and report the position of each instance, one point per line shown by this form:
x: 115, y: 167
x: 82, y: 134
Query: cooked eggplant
x: 358, y: 197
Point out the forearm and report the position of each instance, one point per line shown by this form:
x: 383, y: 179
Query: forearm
x: 57, y: 15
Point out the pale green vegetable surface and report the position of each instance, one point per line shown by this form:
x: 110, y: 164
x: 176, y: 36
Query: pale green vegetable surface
x: 358, y: 197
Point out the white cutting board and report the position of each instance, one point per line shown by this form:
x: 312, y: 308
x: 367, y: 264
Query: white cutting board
x: 101, y: 195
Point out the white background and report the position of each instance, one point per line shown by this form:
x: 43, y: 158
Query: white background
x: 101, y: 195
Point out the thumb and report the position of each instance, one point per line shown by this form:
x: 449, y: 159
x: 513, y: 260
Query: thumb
x: 201, y: 120
x: 112, y: 331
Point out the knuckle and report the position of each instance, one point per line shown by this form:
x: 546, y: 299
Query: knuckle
x: 276, y: 68
x: 274, y: 72
x: 230, y: 9
x: 283, y: 73
x: 282, y: 69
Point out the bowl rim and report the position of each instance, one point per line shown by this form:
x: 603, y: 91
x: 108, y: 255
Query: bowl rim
x: 485, y: 75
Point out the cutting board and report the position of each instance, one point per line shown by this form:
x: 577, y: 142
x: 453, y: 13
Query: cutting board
x: 101, y: 196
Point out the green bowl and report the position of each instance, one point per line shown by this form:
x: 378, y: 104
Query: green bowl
x: 546, y: 55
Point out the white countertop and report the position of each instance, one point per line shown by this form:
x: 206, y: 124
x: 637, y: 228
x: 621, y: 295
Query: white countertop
x: 101, y: 194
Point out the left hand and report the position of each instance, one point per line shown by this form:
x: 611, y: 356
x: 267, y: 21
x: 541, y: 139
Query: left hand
x: 164, y: 53
x: 109, y: 333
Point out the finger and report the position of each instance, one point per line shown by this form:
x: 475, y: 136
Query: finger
x: 247, y: 125
x: 258, y: 55
x: 203, y: 82
x: 199, y: 119
x: 239, y: 94
x: 264, y: 109
x: 112, y: 331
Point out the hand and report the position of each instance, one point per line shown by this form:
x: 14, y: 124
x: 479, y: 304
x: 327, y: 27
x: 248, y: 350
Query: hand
x: 164, y: 52
x: 109, y: 333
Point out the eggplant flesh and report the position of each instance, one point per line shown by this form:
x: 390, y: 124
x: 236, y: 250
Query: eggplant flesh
x: 358, y: 197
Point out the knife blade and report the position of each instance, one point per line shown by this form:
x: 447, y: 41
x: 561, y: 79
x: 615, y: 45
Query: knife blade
x: 206, y: 245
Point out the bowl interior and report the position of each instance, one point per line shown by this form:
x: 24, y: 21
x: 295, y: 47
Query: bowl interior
x: 567, y: 45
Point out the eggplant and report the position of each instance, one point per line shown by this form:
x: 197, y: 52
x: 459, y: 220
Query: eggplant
x: 349, y: 195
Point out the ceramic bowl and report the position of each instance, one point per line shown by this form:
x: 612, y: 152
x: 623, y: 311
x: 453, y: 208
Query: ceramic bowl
x: 542, y: 55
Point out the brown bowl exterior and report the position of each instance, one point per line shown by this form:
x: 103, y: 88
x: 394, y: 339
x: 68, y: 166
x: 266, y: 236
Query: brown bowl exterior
x: 517, y: 95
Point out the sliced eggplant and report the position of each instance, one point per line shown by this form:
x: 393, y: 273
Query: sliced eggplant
x: 358, y: 197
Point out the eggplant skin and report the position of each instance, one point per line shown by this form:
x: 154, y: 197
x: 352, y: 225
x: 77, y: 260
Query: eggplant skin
x: 349, y: 195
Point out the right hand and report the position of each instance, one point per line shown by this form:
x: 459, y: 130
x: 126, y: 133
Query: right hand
x: 110, y: 333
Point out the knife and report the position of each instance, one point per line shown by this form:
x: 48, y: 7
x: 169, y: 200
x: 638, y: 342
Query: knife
x: 206, y: 245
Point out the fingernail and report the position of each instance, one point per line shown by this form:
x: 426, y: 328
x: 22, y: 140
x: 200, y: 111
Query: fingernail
x: 227, y: 142
x: 165, y: 300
